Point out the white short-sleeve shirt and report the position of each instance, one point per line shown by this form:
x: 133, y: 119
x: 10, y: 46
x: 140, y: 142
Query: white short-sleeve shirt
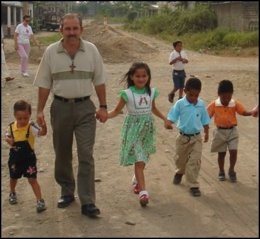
x: 179, y: 65
x: 24, y: 33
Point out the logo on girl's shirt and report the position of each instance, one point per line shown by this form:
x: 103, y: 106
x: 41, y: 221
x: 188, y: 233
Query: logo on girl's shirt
x: 142, y: 98
x: 142, y: 101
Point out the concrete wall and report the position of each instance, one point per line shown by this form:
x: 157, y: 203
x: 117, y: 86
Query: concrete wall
x: 240, y: 16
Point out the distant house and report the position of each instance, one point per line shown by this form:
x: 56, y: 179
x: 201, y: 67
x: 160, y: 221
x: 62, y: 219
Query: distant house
x: 149, y: 10
x: 12, y: 14
x: 174, y: 5
x: 237, y: 15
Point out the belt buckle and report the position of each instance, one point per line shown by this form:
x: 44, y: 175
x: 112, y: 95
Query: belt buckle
x: 71, y: 100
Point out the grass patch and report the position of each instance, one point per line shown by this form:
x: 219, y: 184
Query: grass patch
x: 47, y: 40
x: 224, y: 39
x: 218, y: 42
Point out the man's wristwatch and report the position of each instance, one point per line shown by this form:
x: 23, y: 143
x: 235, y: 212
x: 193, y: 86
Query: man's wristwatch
x: 103, y: 106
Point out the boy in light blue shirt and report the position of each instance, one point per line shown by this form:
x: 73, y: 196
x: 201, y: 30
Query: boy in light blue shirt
x: 190, y: 116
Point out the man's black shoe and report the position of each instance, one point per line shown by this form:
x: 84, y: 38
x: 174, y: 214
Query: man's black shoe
x: 195, y: 192
x: 177, y: 178
x: 65, y: 201
x: 90, y: 210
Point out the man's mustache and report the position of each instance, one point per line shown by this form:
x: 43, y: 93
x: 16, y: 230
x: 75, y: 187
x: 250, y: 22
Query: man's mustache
x: 70, y: 36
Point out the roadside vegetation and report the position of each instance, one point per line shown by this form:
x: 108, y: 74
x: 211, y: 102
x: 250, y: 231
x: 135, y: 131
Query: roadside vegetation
x: 198, y: 30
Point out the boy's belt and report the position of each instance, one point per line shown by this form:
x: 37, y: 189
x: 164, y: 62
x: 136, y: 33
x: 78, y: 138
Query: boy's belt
x: 231, y: 127
x: 189, y: 135
x: 72, y: 100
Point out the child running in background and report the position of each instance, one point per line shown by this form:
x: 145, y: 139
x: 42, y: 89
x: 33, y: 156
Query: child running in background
x: 20, y: 136
x: 225, y: 136
x: 190, y: 116
x: 177, y: 59
x: 138, y: 132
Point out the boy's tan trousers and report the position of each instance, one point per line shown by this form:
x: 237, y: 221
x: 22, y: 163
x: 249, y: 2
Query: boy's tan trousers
x: 188, y: 157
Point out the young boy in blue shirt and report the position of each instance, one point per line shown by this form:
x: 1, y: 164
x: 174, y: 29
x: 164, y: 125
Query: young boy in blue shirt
x: 190, y: 116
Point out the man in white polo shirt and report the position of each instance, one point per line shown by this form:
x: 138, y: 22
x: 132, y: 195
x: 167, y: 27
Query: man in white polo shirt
x: 70, y: 68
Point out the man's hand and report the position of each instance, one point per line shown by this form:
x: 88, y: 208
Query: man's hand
x: 40, y: 119
x: 102, y: 115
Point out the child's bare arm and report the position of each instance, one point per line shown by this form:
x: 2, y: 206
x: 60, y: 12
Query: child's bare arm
x: 168, y: 124
x: 41, y: 131
x: 184, y: 60
x: 113, y: 113
x: 206, y: 133
x: 248, y: 113
x: 156, y: 111
x: 255, y: 111
x: 175, y: 60
x: 9, y: 139
x: 240, y: 109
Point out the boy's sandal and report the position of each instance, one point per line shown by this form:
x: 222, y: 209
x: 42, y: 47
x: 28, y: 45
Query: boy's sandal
x: 144, y: 198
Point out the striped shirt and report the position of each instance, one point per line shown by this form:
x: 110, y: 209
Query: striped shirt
x: 67, y: 77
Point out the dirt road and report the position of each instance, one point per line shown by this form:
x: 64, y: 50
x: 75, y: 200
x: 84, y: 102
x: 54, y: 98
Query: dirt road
x: 225, y: 209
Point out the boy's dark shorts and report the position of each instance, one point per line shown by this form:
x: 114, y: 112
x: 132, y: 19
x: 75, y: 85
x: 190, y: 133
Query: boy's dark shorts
x: 26, y: 168
x: 178, y: 78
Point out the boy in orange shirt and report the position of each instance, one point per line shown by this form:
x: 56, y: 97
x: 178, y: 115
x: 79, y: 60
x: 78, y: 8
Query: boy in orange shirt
x: 225, y: 136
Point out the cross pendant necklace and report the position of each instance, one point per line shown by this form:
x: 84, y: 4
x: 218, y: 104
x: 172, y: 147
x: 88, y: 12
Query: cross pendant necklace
x: 72, y: 66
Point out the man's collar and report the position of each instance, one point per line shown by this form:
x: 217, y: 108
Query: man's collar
x: 61, y: 49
